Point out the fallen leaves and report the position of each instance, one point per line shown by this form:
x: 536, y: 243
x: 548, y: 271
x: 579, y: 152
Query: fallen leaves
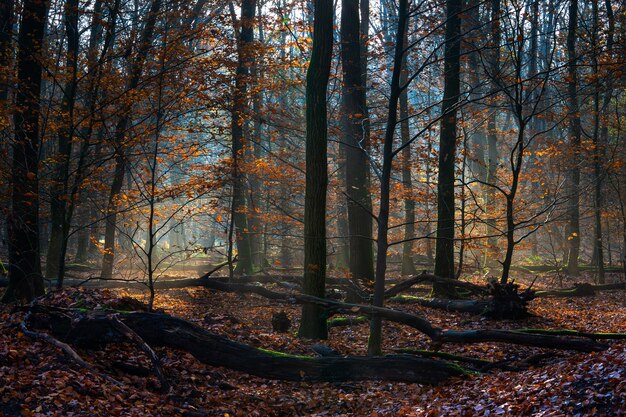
x: 39, y: 381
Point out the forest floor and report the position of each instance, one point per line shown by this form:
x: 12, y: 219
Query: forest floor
x: 37, y: 380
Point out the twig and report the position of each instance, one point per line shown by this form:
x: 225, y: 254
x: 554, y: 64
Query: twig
x: 135, y: 338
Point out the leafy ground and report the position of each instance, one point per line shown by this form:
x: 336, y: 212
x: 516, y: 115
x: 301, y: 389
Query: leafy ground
x: 37, y: 380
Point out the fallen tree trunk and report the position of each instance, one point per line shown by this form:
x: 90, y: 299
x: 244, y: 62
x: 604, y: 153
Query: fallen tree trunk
x: 460, y: 306
x: 424, y: 277
x: 581, y: 290
x: 164, y: 330
x: 415, y: 321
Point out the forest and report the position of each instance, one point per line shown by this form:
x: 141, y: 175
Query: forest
x: 312, y: 208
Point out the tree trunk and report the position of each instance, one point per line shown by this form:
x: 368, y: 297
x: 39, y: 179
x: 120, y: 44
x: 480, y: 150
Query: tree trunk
x: 355, y: 143
x: 59, y: 189
x: 25, y: 279
x: 239, y: 115
x: 216, y: 350
x: 374, y: 345
x: 492, y: 138
x: 313, y: 322
x: 444, y: 252
x: 573, y: 210
x: 407, y: 268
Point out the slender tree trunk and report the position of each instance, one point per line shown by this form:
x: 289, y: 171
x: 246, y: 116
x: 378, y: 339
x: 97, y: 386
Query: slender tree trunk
x: 492, y: 136
x: 313, y: 322
x: 597, y: 152
x: 374, y: 346
x: 444, y: 252
x: 25, y: 279
x: 407, y: 268
x: 58, y: 197
x: 239, y: 114
x: 343, y: 249
x: 573, y: 209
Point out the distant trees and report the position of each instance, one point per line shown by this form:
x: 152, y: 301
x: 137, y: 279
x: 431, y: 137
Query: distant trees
x: 137, y: 65
x: 154, y: 106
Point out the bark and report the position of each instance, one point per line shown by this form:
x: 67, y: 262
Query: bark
x: 6, y: 33
x: 239, y: 114
x: 374, y: 346
x: 313, y: 323
x: 407, y: 268
x: 355, y: 144
x: 25, y: 279
x: 215, y: 350
x: 459, y: 306
x: 444, y: 252
x: 573, y: 210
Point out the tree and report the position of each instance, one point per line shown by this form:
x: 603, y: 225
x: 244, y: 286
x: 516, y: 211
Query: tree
x: 492, y: 133
x: 374, y: 344
x: 407, y: 268
x: 58, y: 198
x: 572, y: 232
x: 239, y: 114
x: 25, y: 279
x: 355, y: 144
x: 313, y: 322
x: 444, y: 253
x: 136, y: 71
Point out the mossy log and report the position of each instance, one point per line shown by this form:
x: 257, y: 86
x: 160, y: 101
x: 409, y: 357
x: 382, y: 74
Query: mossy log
x: 96, y: 329
x: 417, y: 322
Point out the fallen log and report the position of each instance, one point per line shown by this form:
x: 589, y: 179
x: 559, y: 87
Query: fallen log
x: 434, y: 279
x: 96, y: 329
x: 576, y: 333
x: 419, y: 323
x: 581, y: 290
x: 459, y: 306
x: 478, y: 364
x: 505, y: 302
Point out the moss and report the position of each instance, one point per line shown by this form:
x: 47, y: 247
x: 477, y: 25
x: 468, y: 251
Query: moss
x: 346, y: 321
x: 277, y: 354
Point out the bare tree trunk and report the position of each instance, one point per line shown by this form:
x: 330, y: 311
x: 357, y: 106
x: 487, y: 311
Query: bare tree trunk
x: 239, y: 114
x: 407, y: 268
x: 313, y: 322
x: 374, y: 346
x: 444, y: 253
x: 357, y: 163
x: 573, y: 209
x: 597, y: 152
x: 25, y: 279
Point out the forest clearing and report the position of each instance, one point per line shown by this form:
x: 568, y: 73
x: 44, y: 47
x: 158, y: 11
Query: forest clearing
x: 312, y: 208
